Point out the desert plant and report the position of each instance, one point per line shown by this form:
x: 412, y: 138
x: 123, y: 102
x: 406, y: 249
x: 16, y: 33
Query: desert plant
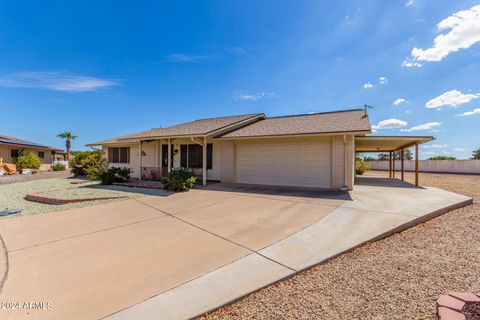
x: 28, y: 160
x: 180, y: 180
x: 361, y: 167
x: 115, y: 174
x: 58, y: 167
x: 88, y: 163
x: 68, y: 136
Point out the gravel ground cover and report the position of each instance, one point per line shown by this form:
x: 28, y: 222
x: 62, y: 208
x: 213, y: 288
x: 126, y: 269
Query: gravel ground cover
x: 12, y: 195
x: 399, y: 277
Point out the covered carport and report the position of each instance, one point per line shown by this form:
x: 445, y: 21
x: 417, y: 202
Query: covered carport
x: 390, y: 145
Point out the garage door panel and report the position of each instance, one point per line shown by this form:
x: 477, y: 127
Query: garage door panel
x: 306, y: 164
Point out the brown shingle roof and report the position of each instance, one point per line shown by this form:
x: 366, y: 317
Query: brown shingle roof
x: 194, y: 128
x: 328, y: 122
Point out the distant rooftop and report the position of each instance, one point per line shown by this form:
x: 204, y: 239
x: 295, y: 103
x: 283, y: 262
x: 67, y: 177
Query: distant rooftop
x: 7, y: 140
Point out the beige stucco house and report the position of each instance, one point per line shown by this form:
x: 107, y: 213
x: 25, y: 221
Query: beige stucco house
x: 308, y: 150
x: 10, y: 148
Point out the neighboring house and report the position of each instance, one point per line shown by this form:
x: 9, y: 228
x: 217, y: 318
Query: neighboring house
x: 10, y: 147
x: 309, y: 150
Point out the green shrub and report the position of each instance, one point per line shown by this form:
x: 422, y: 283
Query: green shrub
x: 88, y: 163
x: 28, y: 160
x: 361, y: 167
x: 115, y: 174
x: 59, y: 167
x: 180, y: 180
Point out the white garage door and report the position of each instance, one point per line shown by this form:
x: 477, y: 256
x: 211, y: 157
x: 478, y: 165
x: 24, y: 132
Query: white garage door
x: 300, y: 164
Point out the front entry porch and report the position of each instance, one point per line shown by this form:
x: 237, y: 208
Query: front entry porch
x: 158, y: 157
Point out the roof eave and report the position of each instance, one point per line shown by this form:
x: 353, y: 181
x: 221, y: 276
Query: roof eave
x: 332, y: 133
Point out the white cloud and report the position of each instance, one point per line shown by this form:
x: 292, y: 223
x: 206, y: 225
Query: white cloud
x: 408, y: 3
x: 253, y: 96
x: 458, y: 149
x: 187, y: 58
x: 55, y: 81
x: 367, y: 85
x: 452, y: 98
x: 427, y: 153
x: 408, y: 111
x: 464, y: 32
x: 438, y: 146
x: 382, y: 80
x: 425, y: 126
x: 194, y: 58
x: 399, y: 101
x: 390, y: 124
x: 469, y: 113
x: 409, y: 63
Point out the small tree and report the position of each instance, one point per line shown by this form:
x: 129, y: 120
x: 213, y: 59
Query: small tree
x: 68, y: 136
x: 476, y: 154
x: 397, y: 155
x: 28, y: 160
x: 442, y: 158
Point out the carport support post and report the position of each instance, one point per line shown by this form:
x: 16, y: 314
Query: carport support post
x: 390, y: 164
x: 416, y: 164
x: 401, y: 155
x: 393, y: 165
x: 204, y: 169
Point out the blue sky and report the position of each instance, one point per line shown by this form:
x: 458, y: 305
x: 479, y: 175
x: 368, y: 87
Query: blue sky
x: 107, y: 68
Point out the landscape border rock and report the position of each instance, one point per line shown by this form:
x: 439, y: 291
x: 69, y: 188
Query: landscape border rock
x: 36, y: 197
x: 452, y: 305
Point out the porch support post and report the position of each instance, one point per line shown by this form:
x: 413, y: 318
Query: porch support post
x: 402, y: 164
x: 390, y: 164
x: 416, y: 164
x: 169, y: 161
x: 140, y: 159
x: 204, y: 169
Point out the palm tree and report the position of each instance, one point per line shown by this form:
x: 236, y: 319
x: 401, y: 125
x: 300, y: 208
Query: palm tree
x: 68, y: 136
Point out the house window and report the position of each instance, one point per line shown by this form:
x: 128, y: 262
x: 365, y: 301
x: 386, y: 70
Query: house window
x: 191, y: 156
x: 41, y: 154
x: 14, y: 153
x: 119, y: 155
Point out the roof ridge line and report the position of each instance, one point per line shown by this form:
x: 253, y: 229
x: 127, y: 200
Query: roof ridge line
x: 314, y: 113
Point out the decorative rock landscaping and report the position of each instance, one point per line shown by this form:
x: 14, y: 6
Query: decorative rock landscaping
x: 13, y: 196
x: 458, y: 306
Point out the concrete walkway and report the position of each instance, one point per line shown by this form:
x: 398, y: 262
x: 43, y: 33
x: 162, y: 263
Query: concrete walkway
x: 178, y: 256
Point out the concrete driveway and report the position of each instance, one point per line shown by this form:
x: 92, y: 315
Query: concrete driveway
x: 92, y: 262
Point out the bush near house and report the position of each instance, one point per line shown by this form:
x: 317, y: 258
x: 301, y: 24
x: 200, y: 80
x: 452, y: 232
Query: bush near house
x: 88, y: 163
x: 180, y: 180
x: 361, y: 167
x: 28, y: 160
x: 115, y: 174
x: 59, y: 167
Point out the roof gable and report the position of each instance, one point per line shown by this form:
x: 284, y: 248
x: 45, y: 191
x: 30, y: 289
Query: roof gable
x: 200, y: 127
